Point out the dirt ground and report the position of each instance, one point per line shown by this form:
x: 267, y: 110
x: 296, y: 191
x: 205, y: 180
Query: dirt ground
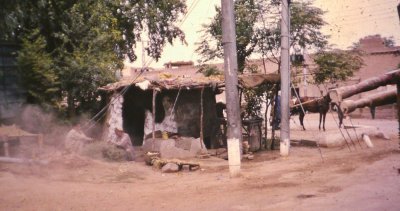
x: 360, y: 179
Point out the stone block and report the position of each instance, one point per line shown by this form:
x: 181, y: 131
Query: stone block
x: 170, y: 168
x: 184, y: 147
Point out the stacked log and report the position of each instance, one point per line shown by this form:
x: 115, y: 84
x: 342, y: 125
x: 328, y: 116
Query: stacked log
x: 337, y: 95
x: 379, y: 99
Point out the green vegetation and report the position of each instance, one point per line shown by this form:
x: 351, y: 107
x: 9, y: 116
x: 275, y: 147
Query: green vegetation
x: 209, y: 70
x: 70, y: 48
x: 258, y: 32
x: 337, y: 65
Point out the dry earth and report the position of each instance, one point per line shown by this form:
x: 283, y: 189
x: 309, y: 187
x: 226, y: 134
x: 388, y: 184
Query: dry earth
x: 360, y: 179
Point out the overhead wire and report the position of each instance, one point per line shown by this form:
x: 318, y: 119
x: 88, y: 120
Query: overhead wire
x: 302, y: 108
x: 347, y: 132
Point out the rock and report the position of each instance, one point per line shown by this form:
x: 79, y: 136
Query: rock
x: 212, y: 152
x: 224, y: 156
x: 197, y: 146
x: 170, y: 168
x: 221, y: 151
x: 185, y: 147
x: 203, y: 156
x: 367, y: 140
x: 331, y: 139
x: 250, y: 157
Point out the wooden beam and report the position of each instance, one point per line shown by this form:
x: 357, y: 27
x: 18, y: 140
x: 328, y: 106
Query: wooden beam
x: 378, y: 99
x: 339, y: 94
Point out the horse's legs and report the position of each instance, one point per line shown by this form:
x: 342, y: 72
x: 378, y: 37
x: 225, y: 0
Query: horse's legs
x: 323, y: 123
x: 301, y: 118
x: 320, y: 119
x: 340, y: 115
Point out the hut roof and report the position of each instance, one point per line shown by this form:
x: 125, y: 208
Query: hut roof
x: 168, y: 79
x: 186, y: 78
x: 256, y: 79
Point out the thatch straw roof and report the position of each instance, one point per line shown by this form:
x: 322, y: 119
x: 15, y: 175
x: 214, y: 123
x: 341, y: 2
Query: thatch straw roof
x: 186, y: 78
x: 168, y: 79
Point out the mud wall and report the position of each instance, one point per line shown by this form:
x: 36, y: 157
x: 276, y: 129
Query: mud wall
x: 114, y: 117
x: 186, y: 119
x: 188, y: 115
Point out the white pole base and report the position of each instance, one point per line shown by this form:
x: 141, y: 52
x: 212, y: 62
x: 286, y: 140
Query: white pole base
x: 284, y: 147
x: 234, y: 157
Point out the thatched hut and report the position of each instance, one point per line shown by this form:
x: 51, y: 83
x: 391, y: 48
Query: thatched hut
x: 183, y: 102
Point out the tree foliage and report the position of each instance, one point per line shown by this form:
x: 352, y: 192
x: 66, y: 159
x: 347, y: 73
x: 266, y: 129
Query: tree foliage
x: 33, y: 57
x: 69, y: 48
x: 258, y: 32
x: 337, y: 65
x: 210, y: 47
x: 209, y: 70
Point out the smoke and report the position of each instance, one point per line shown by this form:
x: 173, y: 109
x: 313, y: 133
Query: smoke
x: 33, y: 119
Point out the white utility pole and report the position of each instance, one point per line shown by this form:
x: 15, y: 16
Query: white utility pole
x: 285, y: 79
x: 231, y: 84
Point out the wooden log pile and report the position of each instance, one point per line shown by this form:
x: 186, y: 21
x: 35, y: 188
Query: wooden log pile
x: 339, y: 94
x: 379, y: 99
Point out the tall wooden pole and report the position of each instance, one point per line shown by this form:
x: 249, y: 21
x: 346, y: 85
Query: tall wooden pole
x: 398, y: 107
x: 285, y: 79
x: 201, y: 118
x: 154, y: 117
x: 231, y: 84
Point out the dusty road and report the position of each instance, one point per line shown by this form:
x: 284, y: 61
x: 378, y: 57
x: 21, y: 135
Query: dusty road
x: 363, y: 179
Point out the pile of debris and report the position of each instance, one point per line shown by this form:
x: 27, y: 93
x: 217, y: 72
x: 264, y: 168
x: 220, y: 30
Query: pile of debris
x: 169, y: 165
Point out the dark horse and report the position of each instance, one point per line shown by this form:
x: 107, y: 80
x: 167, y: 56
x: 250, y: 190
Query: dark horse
x: 314, y: 105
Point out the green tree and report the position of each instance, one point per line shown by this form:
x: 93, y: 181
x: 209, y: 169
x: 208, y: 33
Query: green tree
x: 33, y: 57
x: 305, y: 30
x: 78, y: 45
x: 210, y: 47
x: 337, y: 65
x: 258, y: 32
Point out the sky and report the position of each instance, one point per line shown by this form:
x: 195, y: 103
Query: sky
x: 347, y: 22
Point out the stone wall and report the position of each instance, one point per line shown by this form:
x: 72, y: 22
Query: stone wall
x: 114, y: 117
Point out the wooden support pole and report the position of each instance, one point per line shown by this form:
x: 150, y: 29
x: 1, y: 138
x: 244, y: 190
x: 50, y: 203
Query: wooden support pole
x: 154, y: 116
x: 201, y: 118
x: 266, y: 125
x: 398, y: 108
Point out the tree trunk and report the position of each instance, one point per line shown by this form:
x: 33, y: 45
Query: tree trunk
x: 71, y: 106
x: 379, y: 99
x: 337, y: 95
x: 267, y: 146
